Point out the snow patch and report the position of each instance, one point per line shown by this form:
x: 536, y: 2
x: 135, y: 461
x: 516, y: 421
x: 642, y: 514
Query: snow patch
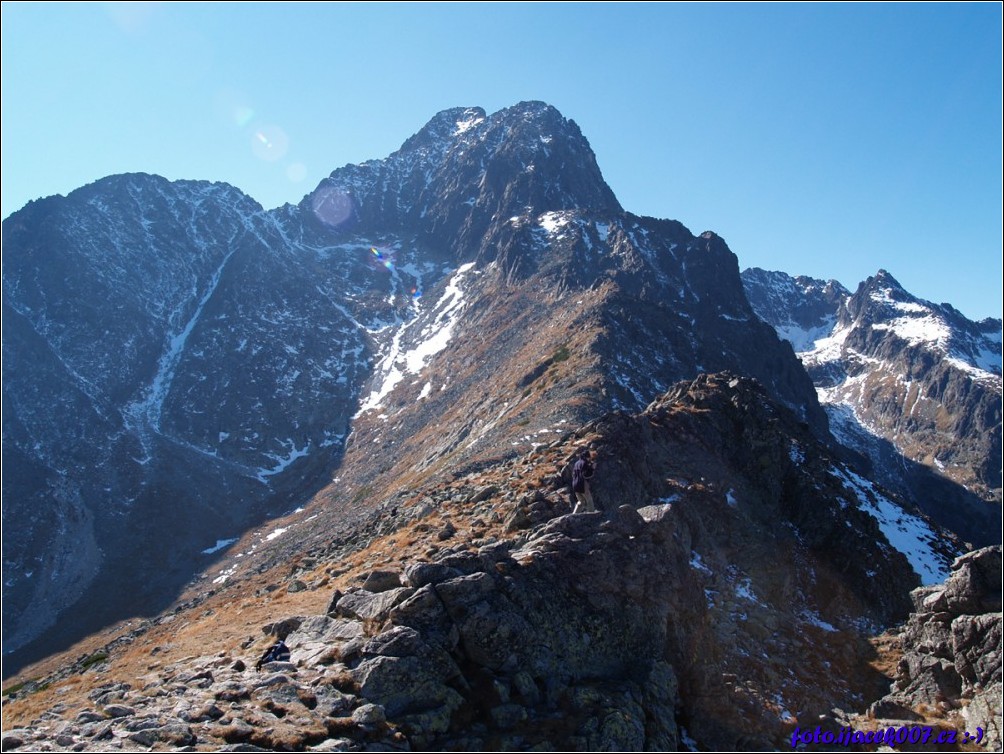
x: 795, y: 454
x: 224, y: 575
x: 985, y: 367
x: 689, y: 742
x: 909, y: 534
x: 552, y: 222
x: 283, y: 461
x: 220, y: 544
x: 276, y: 533
x: 930, y: 329
x: 804, y: 339
x: 434, y: 336
x: 697, y: 564
x: 744, y: 589
x: 466, y: 124
x: 148, y: 410
x: 812, y: 619
x: 827, y: 349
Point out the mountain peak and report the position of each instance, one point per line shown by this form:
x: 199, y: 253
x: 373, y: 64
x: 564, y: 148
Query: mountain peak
x: 918, y: 375
x: 461, y: 178
x: 885, y: 278
x: 883, y: 293
x: 535, y: 112
x: 443, y: 127
x: 453, y: 122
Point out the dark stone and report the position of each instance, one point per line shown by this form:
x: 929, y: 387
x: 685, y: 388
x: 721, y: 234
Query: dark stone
x: 420, y: 574
x: 382, y: 581
x: 368, y: 606
x: 283, y: 628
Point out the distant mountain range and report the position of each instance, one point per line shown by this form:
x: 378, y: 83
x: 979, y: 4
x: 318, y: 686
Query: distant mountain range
x: 914, y: 386
x: 180, y: 364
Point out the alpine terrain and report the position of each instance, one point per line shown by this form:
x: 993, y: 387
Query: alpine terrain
x: 914, y: 386
x: 349, y: 424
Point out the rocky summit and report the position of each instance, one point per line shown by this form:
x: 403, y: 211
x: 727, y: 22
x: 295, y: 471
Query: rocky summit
x: 349, y: 424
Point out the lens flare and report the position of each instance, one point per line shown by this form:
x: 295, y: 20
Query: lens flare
x: 131, y: 17
x: 269, y: 143
x: 233, y: 107
x: 382, y: 258
x: 331, y: 205
x: 243, y: 115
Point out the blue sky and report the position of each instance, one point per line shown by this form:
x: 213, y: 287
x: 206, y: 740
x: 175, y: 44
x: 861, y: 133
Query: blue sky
x: 829, y: 140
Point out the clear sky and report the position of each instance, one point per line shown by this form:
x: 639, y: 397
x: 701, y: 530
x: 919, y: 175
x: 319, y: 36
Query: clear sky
x: 828, y: 140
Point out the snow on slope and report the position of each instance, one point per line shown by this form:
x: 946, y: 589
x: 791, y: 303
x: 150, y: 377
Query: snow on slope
x: 434, y: 333
x: 805, y: 339
x: 907, y: 533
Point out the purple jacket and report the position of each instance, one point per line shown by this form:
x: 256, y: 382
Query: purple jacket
x: 581, y: 471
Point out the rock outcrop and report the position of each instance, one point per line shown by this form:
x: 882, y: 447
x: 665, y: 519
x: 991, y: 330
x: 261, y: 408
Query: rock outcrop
x: 952, y: 648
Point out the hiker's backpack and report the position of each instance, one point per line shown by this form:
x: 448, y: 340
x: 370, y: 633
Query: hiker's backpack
x: 278, y: 652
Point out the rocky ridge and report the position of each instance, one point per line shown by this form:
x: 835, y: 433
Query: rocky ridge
x: 479, y: 614
x: 181, y: 365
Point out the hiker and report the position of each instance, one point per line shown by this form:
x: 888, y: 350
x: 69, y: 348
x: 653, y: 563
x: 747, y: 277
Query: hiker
x: 278, y: 652
x: 582, y: 472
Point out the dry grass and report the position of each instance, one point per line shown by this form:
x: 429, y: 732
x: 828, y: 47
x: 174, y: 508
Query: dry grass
x: 229, y: 623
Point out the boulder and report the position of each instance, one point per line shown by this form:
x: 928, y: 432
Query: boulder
x: 986, y: 712
x: 403, y: 685
x: 382, y: 581
x: 368, y: 606
x: 420, y: 574
x: 397, y: 641
x: 973, y: 587
x: 282, y: 628
x: 369, y: 715
x: 425, y: 612
x: 627, y: 520
x: 465, y: 590
x: 15, y: 739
